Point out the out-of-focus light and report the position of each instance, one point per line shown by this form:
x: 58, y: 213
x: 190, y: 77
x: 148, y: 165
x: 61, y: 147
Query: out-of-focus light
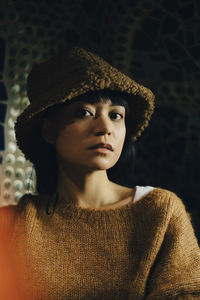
x: 18, y: 185
x: 7, y: 183
x: 9, y: 171
x: 14, y: 112
x: 19, y: 173
x: 15, y: 88
x: 16, y: 99
x: 12, y: 147
x: 17, y: 196
x: 11, y: 123
x: 10, y: 158
x: 20, y: 160
x: 28, y: 184
x: 29, y: 172
x: 11, y: 134
x: 25, y: 102
x: 7, y: 195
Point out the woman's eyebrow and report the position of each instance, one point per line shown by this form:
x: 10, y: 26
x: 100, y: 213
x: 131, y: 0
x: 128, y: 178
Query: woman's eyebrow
x: 78, y: 104
x: 111, y: 104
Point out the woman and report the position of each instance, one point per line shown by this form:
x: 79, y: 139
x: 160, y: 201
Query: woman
x: 86, y: 235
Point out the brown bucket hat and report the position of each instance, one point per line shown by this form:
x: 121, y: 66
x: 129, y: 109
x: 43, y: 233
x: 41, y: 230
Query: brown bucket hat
x: 69, y: 74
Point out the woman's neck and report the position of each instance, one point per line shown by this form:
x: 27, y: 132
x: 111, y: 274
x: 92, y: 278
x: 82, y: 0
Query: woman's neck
x: 91, y: 189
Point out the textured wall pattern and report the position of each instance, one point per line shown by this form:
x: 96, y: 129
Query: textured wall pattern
x: 155, y: 42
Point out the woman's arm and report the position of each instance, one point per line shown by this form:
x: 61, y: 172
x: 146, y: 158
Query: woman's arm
x: 176, y: 271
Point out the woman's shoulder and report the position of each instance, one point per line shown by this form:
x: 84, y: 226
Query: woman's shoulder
x: 162, y: 206
x: 167, y: 196
x: 152, y: 197
x: 157, y: 197
x: 156, y: 193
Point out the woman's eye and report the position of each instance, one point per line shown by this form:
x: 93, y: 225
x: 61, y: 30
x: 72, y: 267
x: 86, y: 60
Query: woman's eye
x: 117, y: 116
x: 81, y: 113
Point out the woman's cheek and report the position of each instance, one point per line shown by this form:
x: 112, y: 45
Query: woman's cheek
x: 62, y: 144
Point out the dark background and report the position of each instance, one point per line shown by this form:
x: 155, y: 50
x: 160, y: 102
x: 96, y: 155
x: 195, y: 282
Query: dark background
x: 157, y: 43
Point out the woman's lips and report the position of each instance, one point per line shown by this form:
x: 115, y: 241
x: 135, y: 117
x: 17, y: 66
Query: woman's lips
x: 101, y: 150
x: 102, y: 146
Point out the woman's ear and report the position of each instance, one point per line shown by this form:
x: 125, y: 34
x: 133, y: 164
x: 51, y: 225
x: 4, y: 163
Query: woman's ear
x: 48, y: 131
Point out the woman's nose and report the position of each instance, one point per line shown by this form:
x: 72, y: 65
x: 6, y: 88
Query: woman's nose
x: 102, y: 126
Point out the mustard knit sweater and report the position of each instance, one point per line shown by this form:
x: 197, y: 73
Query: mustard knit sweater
x: 143, y: 250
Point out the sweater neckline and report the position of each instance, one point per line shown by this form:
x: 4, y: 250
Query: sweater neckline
x: 73, y: 210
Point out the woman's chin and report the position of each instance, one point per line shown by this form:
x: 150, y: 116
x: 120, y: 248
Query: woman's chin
x: 98, y: 163
x: 100, y: 166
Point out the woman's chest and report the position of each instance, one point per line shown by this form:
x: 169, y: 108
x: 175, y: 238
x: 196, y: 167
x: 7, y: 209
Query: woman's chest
x: 75, y: 261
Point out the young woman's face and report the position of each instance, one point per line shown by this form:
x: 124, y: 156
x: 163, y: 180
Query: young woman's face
x: 80, y: 125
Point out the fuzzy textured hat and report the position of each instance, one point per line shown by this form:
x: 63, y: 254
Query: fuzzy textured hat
x: 69, y: 74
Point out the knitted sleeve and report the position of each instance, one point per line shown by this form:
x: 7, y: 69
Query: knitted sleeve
x: 176, y: 271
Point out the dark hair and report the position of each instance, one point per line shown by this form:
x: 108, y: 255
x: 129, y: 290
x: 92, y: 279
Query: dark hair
x: 45, y: 162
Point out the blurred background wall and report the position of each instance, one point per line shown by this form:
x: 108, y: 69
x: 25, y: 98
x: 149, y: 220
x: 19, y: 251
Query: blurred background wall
x: 157, y: 43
